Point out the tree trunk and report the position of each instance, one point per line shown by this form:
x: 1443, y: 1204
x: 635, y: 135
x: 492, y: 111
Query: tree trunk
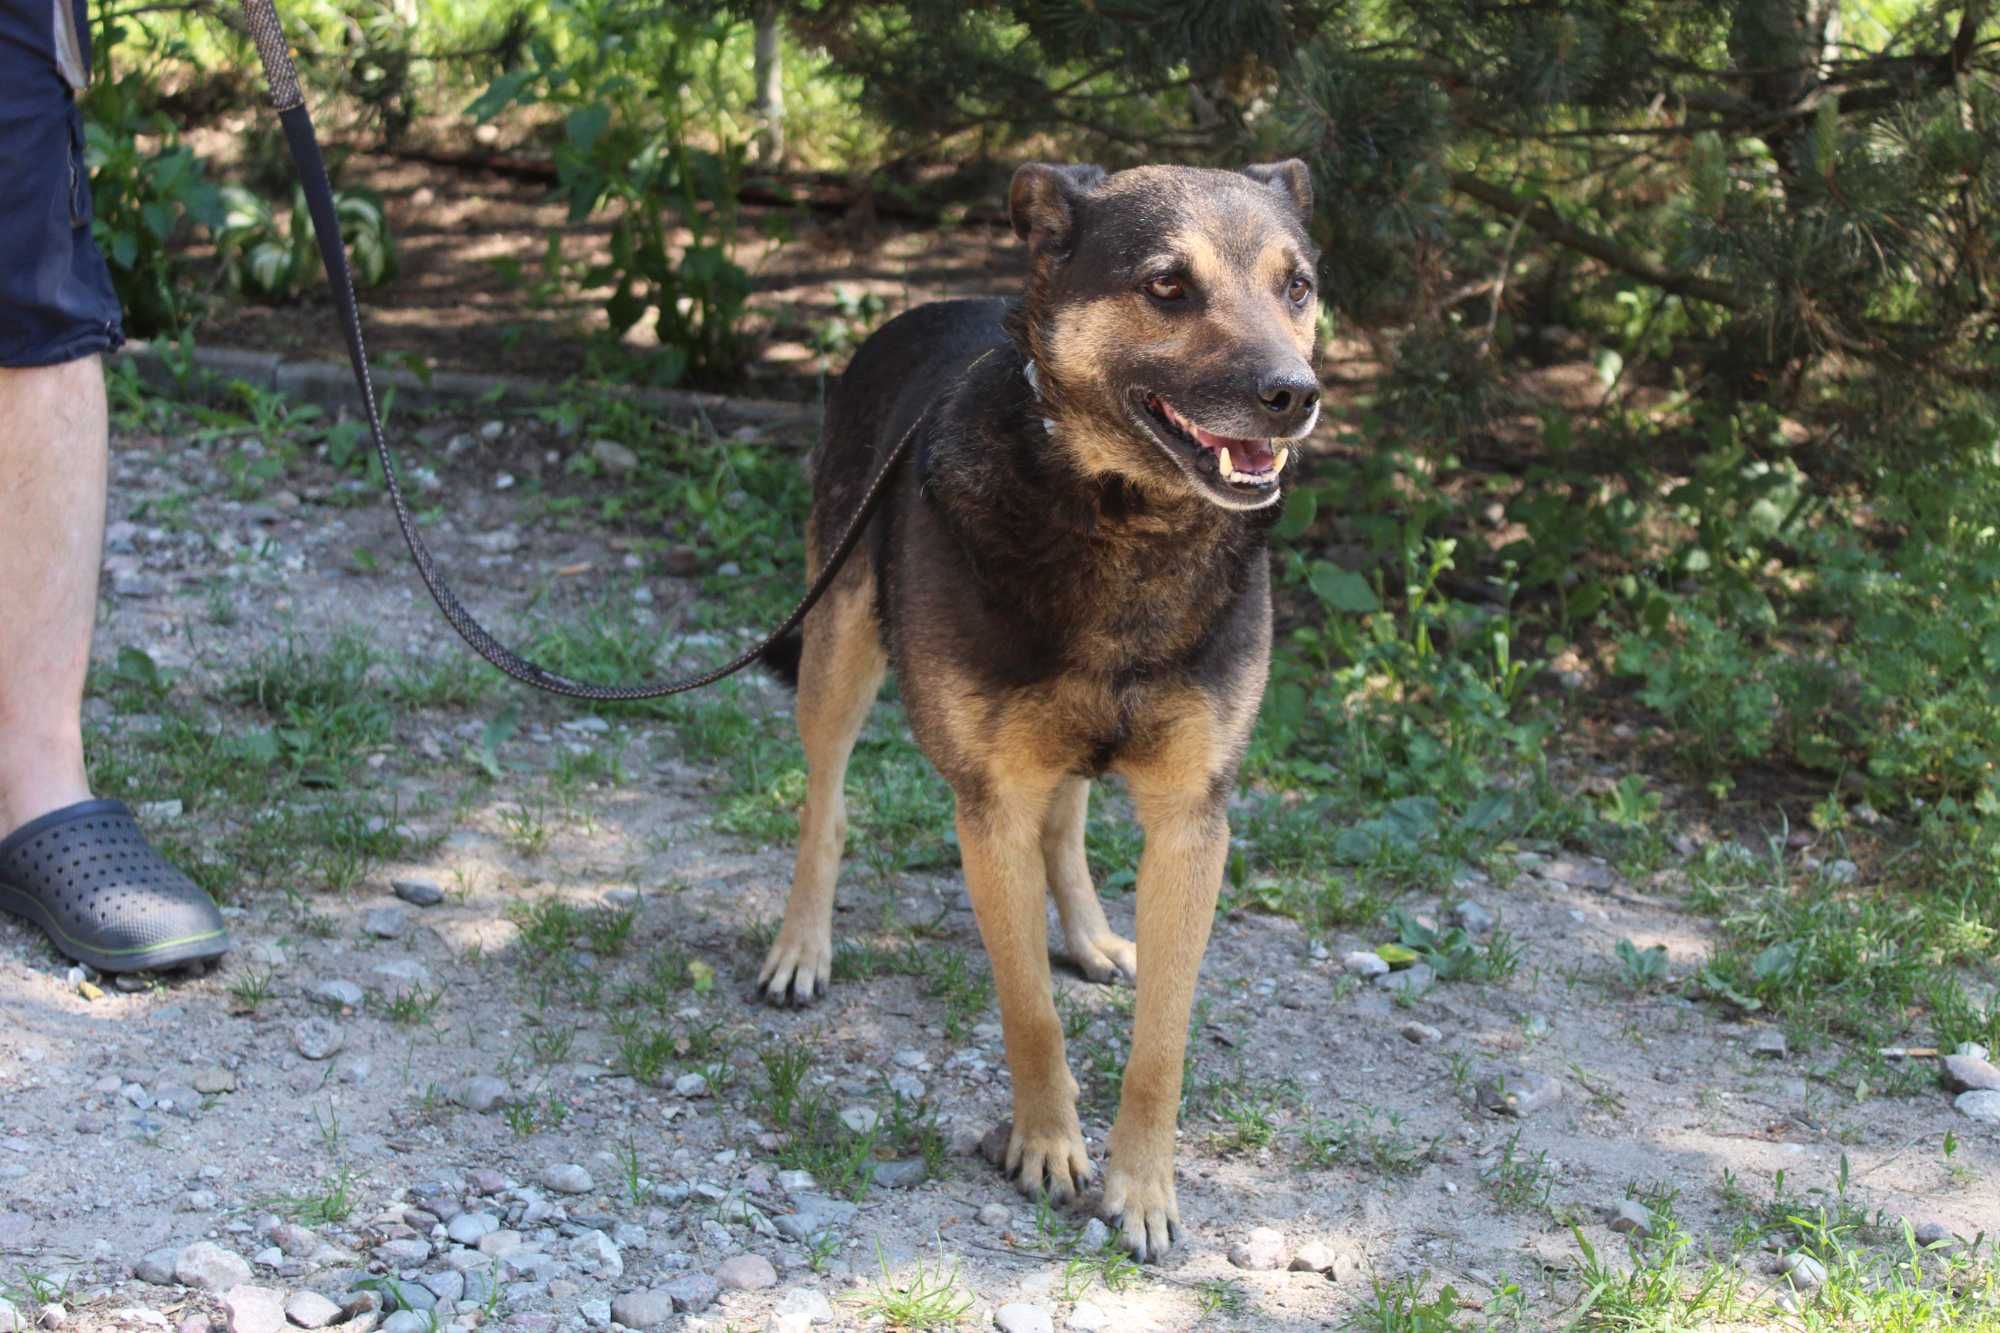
x: 770, y: 103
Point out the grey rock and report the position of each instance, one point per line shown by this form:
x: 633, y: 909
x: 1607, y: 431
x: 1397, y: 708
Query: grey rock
x: 385, y: 923
x: 693, y: 1293
x: 1020, y: 1317
x: 595, y: 1253
x: 746, y: 1272
x: 812, y: 1215
x: 1364, y: 963
x: 796, y: 1182
x: 485, y: 1180
x: 642, y: 1309
x: 860, y: 1119
x: 1631, y: 1218
x: 317, y: 1038
x: 448, y: 1286
x: 613, y: 457
x: 1970, y: 1073
x: 207, y: 1265
x: 1770, y: 1043
x: 1413, y: 980
x: 467, y: 1228
x: 254, y: 1309
x: 418, y: 892
x: 1973, y: 1049
x: 567, y: 1178
x: 338, y: 994
x: 1842, y: 871
x: 400, y: 976
x: 995, y: 1215
x: 1518, y: 1092
x: 198, y: 1201
x: 1579, y: 874
x: 406, y: 1321
x: 1934, y: 1233
x: 1314, y: 1257
x: 1420, y: 1034
x: 901, y: 1174
x: 1096, y: 1235
x: 596, y: 1314
x: 1260, y: 1251
x: 157, y: 1267
x: 406, y: 1252
x: 481, y: 1093
x: 1982, y: 1106
x: 499, y: 1244
x: 1805, y: 1271
x: 691, y: 1085
x: 806, y: 1303
x: 1476, y: 919
x: 1087, y: 1317
x: 309, y: 1309
x: 214, y: 1081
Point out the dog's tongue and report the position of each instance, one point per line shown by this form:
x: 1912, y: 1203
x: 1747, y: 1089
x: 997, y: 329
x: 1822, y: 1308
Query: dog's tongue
x: 1247, y: 455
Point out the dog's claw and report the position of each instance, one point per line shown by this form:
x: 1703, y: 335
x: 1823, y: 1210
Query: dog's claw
x: 1145, y: 1212
x: 1053, y: 1164
x: 795, y: 973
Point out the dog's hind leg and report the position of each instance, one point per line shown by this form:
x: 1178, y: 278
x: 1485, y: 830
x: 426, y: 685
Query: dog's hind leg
x: 840, y: 671
x: 999, y: 834
x: 1097, y: 951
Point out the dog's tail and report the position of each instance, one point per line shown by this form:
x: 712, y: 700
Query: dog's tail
x: 782, y: 657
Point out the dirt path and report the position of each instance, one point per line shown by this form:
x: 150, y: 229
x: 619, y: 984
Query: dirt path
x: 599, y: 918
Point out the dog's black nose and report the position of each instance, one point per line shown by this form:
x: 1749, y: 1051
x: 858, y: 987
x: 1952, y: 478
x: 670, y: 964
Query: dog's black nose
x: 1288, y: 393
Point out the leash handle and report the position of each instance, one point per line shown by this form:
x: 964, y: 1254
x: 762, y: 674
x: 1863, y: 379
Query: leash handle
x: 289, y: 100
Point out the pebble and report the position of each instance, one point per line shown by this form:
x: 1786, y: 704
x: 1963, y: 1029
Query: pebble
x: 1770, y: 1043
x: 1421, y: 1034
x: 1982, y: 1106
x: 596, y: 1314
x: 1096, y: 1235
x: 613, y: 457
x: 1632, y: 1218
x: 482, y: 1093
x: 1020, y: 1317
x: 467, y: 1228
x: 1413, y: 980
x: 317, y: 1038
x: 903, y: 1174
x: 407, y: 1321
x: 805, y: 1303
x: 404, y: 1252
x: 597, y: 1254
x: 213, y: 1082
x: 1088, y: 1317
x: 448, y: 1286
x: 207, y: 1265
x: 906, y: 1085
x: 814, y: 1213
x: 1973, y: 1049
x: 691, y: 1085
x: 1475, y: 918
x: 339, y: 994
x: 1364, y: 963
x: 642, y: 1309
x: 309, y: 1309
x: 1971, y: 1073
x: 1262, y: 1250
x: 254, y: 1309
x: 157, y: 1267
x: 1314, y: 1257
x: 567, y: 1178
x: 1518, y: 1092
x: 385, y: 923
x: 860, y: 1119
x: 1934, y: 1233
x: 1805, y: 1271
x: 746, y: 1272
x: 485, y: 1180
x: 418, y: 892
x: 996, y: 1215
x: 796, y: 1182
x: 693, y: 1293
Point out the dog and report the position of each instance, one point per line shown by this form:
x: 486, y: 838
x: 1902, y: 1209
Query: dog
x: 1070, y: 579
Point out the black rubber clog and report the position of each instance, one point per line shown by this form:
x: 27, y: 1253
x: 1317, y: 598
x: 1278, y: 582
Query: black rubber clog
x: 87, y: 876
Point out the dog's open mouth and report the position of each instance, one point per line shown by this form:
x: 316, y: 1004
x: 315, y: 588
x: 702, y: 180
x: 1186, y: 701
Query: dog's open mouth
x: 1249, y: 465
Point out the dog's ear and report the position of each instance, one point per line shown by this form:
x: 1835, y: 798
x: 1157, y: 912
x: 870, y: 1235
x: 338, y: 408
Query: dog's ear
x: 1042, y: 201
x: 1291, y: 180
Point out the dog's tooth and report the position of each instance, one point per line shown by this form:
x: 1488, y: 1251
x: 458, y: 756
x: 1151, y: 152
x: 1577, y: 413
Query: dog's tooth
x: 1279, y: 459
x: 1228, y: 469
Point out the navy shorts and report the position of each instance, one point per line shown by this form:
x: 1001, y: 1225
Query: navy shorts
x: 56, y: 299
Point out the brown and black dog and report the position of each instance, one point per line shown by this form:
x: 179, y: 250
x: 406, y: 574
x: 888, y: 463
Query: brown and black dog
x: 1070, y: 579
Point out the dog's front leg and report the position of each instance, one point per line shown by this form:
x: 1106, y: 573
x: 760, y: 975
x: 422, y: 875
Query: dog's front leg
x: 1180, y: 874
x: 999, y: 834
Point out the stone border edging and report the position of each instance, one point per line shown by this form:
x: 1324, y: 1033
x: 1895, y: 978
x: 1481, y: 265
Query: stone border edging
x: 330, y: 385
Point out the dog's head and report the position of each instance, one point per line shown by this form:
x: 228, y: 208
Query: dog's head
x: 1170, y: 317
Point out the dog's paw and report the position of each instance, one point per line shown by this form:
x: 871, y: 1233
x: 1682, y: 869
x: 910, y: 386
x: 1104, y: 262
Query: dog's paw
x: 1142, y: 1205
x: 1050, y: 1161
x: 1105, y: 958
x: 796, y: 971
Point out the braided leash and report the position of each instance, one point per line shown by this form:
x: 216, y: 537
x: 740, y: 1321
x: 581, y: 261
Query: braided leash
x: 290, y: 103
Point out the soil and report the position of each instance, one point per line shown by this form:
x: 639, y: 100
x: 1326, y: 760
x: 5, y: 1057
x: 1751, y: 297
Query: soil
x: 1654, y: 1091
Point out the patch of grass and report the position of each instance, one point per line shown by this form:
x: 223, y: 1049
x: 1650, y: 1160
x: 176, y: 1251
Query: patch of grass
x: 1220, y: 1295
x: 249, y: 991
x: 1518, y: 1180
x: 552, y: 927
x: 1374, y: 1140
x: 924, y: 1298
x: 1641, y: 969
x: 1401, y: 1307
x: 414, y: 1007
x: 334, y: 1201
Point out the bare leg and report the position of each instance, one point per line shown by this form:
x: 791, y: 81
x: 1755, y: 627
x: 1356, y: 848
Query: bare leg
x: 53, y: 465
x: 1097, y: 951
x: 840, y: 671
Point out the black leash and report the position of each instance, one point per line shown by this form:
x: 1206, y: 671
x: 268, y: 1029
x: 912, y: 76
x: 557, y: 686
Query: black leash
x: 290, y: 102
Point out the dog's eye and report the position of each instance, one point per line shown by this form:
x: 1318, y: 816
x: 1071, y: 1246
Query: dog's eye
x: 1300, y: 290
x: 1166, y: 289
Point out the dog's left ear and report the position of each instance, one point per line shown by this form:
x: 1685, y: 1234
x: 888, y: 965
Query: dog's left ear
x: 1042, y: 201
x: 1291, y: 180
